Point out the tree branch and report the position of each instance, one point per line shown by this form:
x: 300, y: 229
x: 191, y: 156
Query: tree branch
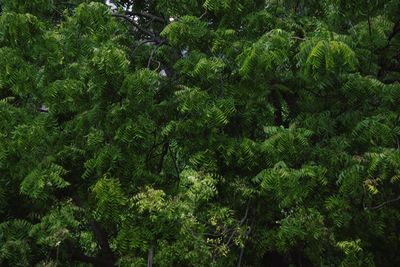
x: 136, y: 25
x: 145, y: 15
x: 150, y: 257
x: 163, y: 153
x: 396, y: 30
x: 246, y: 236
x: 173, y: 156
x: 241, y: 222
x: 152, y: 54
x: 383, y: 204
x: 106, y: 258
x: 77, y: 255
x: 101, y: 237
x: 240, y: 257
x: 276, y: 102
x: 383, y: 67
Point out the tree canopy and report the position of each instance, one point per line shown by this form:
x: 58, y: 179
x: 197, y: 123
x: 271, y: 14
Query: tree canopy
x: 199, y: 133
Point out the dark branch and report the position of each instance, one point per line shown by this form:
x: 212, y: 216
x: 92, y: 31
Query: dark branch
x: 77, y: 255
x: 145, y: 15
x: 136, y: 25
x: 276, y: 102
x: 101, y: 237
x: 396, y: 30
x: 384, y: 65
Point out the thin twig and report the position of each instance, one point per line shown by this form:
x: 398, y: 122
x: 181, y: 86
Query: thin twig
x: 151, y: 55
x: 140, y: 44
x: 245, y: 238
x: 202, y: 15
x: 298, y: 38
x: 241, y: 222
x: 158, y: 66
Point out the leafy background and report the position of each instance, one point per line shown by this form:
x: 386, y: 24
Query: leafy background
x: 199, y: 133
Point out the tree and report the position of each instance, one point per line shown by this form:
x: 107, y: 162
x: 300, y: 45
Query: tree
x: 199, y: 133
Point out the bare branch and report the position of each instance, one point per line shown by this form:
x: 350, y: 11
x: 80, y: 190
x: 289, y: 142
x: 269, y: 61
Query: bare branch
x: 202, y: 15
x: 240, y: 257
x: 150, y: 257
x: 298, y: 38
x: 245, y: 238
x: 383, y: 204
x: 151, y: 55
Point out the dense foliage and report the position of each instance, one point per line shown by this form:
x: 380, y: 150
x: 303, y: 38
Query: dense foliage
x: 199, y: 133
